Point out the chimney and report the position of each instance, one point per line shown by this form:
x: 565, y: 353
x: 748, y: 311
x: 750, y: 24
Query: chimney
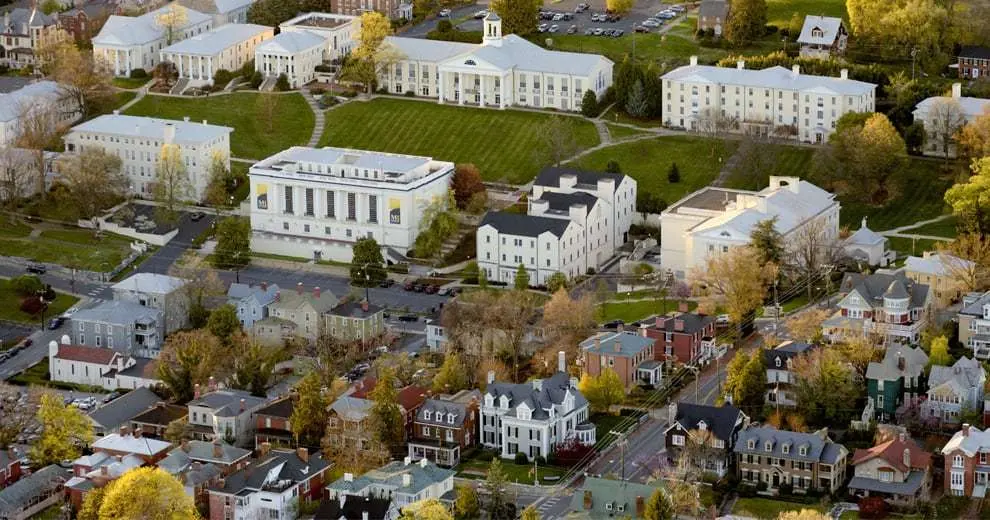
x: 957, y: 90
x: 137, y: 433
x: 116, y: 112
x: 561, y: 361
x: 741, y: 64
x: 679, y: 325
x: 491, y: 377
x: 196, y: 466
x: 299, y: 288
x: 124, y: 431
x: 265, y: 448
x: 217, y: 448
x: 196, y: 391
x: 902, y: 436
x: 900, y: 361
x: 659, y: 322
x: 316, y: 292
x: 598, y: 342
x: 694, y: 60
x: 406, y: 461
x: 406, y: 480
x: 242, y: 405
x: 640, y: 506
x: 642, y: 331
x: 204, y: 122
x: 186, y: 119
x: 795, y: 70
x: 303, y: 454
x: 844, y: 74
x: 587, y: 493
x: 965, y: 429
x: 617, y: 346
x: 169, y: 133
x: 348, y: 477
x: 264, y: 286
x: 423, y: 462
x: 907, y: 457
x: 620, y: 328
x: 212, y: 384
x: 185, y: 445
x: 682, y: 307
x: 364, y: 306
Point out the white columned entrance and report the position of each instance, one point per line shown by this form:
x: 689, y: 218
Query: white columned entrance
x: 127, y: 56
x: 116, y: 62
x: 440, y: 89
x: 460, y: 88
x: 501, y: 93
x: 481, y: 90
x: 178, y: 60
x: 210, y: 72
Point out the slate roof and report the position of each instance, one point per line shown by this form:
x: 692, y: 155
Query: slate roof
x: 130, y: 444
x: 551, y: 393
x: 975, y: 51
x: 150, y: 283
x: 22, y: 493
x: 217, y: 40
x: 354, y: 309
x: 909, y: 487
x: 423, y: 474
x: 240, y: 291
x: 771, y: 77
x: 294, y: 300
x: 828, y: 25
x: 785, y: 351
x: 161, y: 415
x: 630, y: 343
x: 290, y: 42
x: 615, y: 492
x: 965, y: 374
x: 873, y: 288
x: 14, y: 104
x: 142, y: 368
x: 819, y: 448
x: 207, y: 452
x: 186, y: 132
x: 352, y: 408
x: 692, y: 322
x: 865, y: 236
x: 524, y: 225
x: 277, y: 466
x: 892, y: 452
x: 227, y: 403
x: 714, y: 8
x: 550, y: 176
x: 85, y: 354
x: 121, y: 410
x: 970, y: 443
x: 721, y: 420
x: 563, y: 201
x: 354, y: 508
x: 915, y: 361
x: 441, y: 408
x: 281, y: 408
x: 937, y: 264
x: 21, y: 19
x: 975, y: 307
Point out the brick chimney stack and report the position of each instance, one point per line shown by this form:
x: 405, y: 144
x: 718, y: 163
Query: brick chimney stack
x: 618, y: 346
x: 682, y: 307
x: 364, y: 305
x: 640, y: 506
x: 660, y: 322
x: 303, y: 454
x: 316, y: 292
x: 217, y: 449
x: 587, y: 499
x: 679, y: 325
x: 299, y: 288
x: 196, y: 391
x: 242, y: 404
x: 264, y: 286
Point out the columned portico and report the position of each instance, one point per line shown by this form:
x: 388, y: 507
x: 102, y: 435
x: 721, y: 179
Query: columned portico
x: 474, y: 86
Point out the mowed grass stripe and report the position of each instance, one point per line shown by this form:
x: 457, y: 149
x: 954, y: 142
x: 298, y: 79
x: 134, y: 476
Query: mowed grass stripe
x: 504, y: 144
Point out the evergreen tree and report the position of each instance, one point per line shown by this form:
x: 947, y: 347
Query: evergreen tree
x: 653, y: 89
x: 659, y: 507
x: 673, y: 175
x: 636, y: 103
x: 385, y: 415
x: 496, y: 484
x: 767, y: 241
x: 589, y: 104
x: 522, y: 278
x: 613, y: 167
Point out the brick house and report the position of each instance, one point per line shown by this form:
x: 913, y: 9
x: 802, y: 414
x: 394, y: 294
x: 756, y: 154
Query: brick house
x: 410, y: 398
x: 713, y: 14
x: 85, y: 21
x: 629, y: 354
x: 974, y: 62
x: 348, y: 423
x: 967, y: 462
x: 154, y: 421
x: 444, y: 427
x: 899, y: 471
x: 272, y: 424
x: 271, y: 487
x: 805, y: 461
x: 10, y: 467
x: 685, y: 337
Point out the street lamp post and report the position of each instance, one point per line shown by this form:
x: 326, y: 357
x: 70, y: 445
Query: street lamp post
x: 622, y: 453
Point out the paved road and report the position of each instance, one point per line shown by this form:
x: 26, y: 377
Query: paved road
x: 39, y: 348
x: 420, y: 30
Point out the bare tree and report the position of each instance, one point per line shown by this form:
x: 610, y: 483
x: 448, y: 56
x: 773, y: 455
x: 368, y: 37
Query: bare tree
x: 17, y: 174
x: 268, y: 103
x: 172, y: 19
x: 94, y: 178
x: 559, y: 142
x: 812, y: 246
x: 714, y: 124
x: 967, y: 259
x: 38, y: 130
x: 172, y: 184
x: 758, y: 159
x: 945, y: 119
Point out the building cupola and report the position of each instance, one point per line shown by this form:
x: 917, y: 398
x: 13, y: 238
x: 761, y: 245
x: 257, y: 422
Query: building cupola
x: 493, y: 30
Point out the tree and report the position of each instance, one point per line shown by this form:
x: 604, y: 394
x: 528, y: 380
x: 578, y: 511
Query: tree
x: 974, y: 138
x: 767, y: 241
x: 945, y: 119
x: 282, y: 83
x: 171, y: 19
x: 804, y: 514
x: 567, y: 321
x: 273, y: 12
x: 189, y: 358
x: 862, y: 162
x: 437, y: 223
x: 367, y: 263
x: 268, y: 106
x: 636, y: 105
x: 659, y: 507
x: 619, y: 6
x: 589, y: 104
x: 452, y: 376
x: 90, y: 508
x: 518, y: 16
x: 38, y: 129
x: 496, y: 485
x: 372, y: 56
x: 309, y: 410
x: 222, y: 182
x: 673, y: 174
x: 602, y: 391
x: 559, y: 141
x: 530, y: 513
x: 466, y: 505
x: 178, y: 430
x: 745, y: 381
x: 64, y: 429
x: 738, y: 277
x: 811, y: 247
x: 939, y: 352
x: 85, y: 83
x: 428, y: 509
x: 749, y: 17
x: 254, y: 366
x: 147, y: 492
x: 807, y: 325
x: 648, y: 202
x: 795, y: 26
x: 172, y: 184
x: 522, y: 278
x: 94, y: 179
x: 233, y: 249
x: 967, y: 260
x: 15, y: 415
x: 970, y: 201
x: 224, y: 323
x: 556, y: 282
x: 386, y: 418
x: 613, y: 166
x: 16, y: 174
x: 825, y: 387
x: 466, y: 183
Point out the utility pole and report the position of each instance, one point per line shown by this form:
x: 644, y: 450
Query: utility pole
x: 622, y: 453
x: 914, y: 53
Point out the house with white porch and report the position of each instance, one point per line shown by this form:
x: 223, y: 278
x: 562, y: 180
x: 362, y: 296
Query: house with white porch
x: 126, y: 43
x: 954, y: 391
x: 890, y: 307
x: 227, y: 47
x: 503, y: 71
x: 295, y: 54
x: 974, y: 324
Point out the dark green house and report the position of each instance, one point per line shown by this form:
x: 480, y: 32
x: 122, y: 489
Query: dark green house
x: 899, y: 377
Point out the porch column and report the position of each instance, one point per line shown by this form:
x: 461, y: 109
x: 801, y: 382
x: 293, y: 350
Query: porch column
x: 209, y: 72
x: 127, y: 56
x: 279, y: 71
x: 504, y: 445
x: 460, y: 88
x: 116, y: 62
x: 440, y: 91
x: 481, y: 87
x: 201, y: 69
x: 177, y: 59
x: 501, y: 93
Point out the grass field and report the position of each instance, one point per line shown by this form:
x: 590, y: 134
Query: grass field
x: 911, y: 246
x: 76, y: 248
x: 649, y: 160
x: 630, y: 311
x: 765, y: 508
x: 10, y: 305
x: 622, y: 132
x: 791, y: 160
x: 505, y: 144
x: 130, y: 82
x: 922, y: 186
x: 243, y: 111
x: 779, y: 12
x: 943, y: 228
x: 475, y: 468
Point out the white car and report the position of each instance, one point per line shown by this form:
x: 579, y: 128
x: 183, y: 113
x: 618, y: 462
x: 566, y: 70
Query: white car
x: 554, y: 28
x: 649, y: 22
x: 558, y: 17
x: 444, y: 13
x: 542, y: 28
x: 481, y: 14
x: 677, y: 8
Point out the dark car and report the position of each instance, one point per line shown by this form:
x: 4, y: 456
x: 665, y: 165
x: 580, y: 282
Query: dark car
x: 614, y: 324
x: 111, y: 396
x: 197, y: 216
x: 56, y: 323
x: 430, y: 289
x: 386, y: 283
x: 408, y: 317
x: 409, y: 286
x: 419, y: 287
x: 36, y: 269
x: 642, y: 29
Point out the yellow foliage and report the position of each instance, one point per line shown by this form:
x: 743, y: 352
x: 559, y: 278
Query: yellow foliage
x: 431, y: 509
x: 375, y: 27
x: 619, y: 6
x: 147, y: 493
x: 804, y: 514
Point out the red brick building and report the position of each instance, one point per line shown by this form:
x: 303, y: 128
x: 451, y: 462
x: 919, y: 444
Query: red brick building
x: 445, y: 426
x: 272, y: 425
x: 974, y: 62
x: 967, y: 462
x: 85, y: 21
x: 155, y: 420
x: 629, y: 354
x: 685, y: 337
x: 10, y: 467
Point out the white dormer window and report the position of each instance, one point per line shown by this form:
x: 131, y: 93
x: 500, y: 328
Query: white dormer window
x: 786, y: 449
x: 503, y: 402
x: 751, y: 444
x: 803, y: 450
x: 768, y: 446
x: 489, y: 401
x: 450, y: 418
x: 957, y: 461
x: 427, y: 414
x: 702, y: 425
x: 777, y: 362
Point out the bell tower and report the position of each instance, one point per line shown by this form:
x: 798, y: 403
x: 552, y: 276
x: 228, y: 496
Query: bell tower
x: 493, y: 30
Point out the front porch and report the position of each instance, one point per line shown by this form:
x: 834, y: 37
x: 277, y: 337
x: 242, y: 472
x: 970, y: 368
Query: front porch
x: 442, y: 454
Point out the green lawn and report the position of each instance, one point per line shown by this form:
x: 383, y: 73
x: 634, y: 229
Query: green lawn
x: 910, y: 246
x: 10, y: 305
x: 120, y: 98
x: 130, y: 82
x: 922, y: 186
x: 791, y: 160
x: 606, y: 423
x: 943, y: 228
x: 765, y: 508
x: 637, y: 310
x: 779, y: 12
x: 506, y: 145
x: 253, y: 138
x: 76, y: 248
x: 648, y: 161
x: 621, y: 132
x: 476, y: 468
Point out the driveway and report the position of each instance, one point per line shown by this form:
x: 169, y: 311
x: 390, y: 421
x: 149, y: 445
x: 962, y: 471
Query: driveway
x: 419, y: 30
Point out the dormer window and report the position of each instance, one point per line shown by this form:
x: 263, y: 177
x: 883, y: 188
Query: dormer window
x: 504, y: 403
x: 702, y: 425
x: 786, y: 449
x: 777, y: 362
x: 817, y: 33
x: 768, y: 446
x: 427, y: 414
x: 803, y: 450
x: 450, y: 418
x: 751, y: 444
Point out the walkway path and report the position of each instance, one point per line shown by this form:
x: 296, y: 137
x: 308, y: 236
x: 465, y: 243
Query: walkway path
x: 141, y: 92
x: 314, y: 139
x: 727, y: 167
x: 900, y: 231
x: 604, y: 137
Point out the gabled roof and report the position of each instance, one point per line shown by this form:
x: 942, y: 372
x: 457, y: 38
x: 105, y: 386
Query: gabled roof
x: 21, y: 19
x: 721, y: 420
x: 975, y: 306
x: 550, y: 176
x: 827, y: 24
x: 423, y: 474
x: 290, y: 42
x: 354, y: 507
x: 121, y: 410
x: 281, y: 408
x: 875, y: 287
x: 784, y: 351
x: 255, y: 293
x: 227, y: 403
x: 562, y: 202
x: 297, y: 301
x: 217, y: 40
x: 21, y: 494
x: 962, y: 376
x: 145, y: 446
x: 273, y: 471
x: 131, y: 30
x: 85, y: 354
x: 604, y: 492
x: 217, y: 452
x: 772, y: 77
x: 892, y: 452
x: 17, y: 103
x: 524, y: 225
x: 714, y: 8
x: 971, y: 107
x: 970, y: 440
x: 630, y: 344
x: 161, y: 415
x: 975, y: 51
x: 352, y: 408
x: 865, y: 236
x: 551, y: 393
x: 440, y: 410
x: 118, y: 312
x: 151, y: 283
x: 937, y: 264
x: 215, y: 6
x: 411, y: 396
x: 890, y: 368
x: 816, y: 445
x: 355, y: 309
x: 692, y: 322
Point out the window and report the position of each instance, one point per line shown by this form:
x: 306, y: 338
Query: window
x: 288, y: 199
x: 351, y: 206
x: 309, y: 202
x: 373, y: 209
x: 677, y: 440
x: 886, y: 476
x: 331, y: 202
x: 427, y: 414
x: 957, y: 461
x: 426, y: 431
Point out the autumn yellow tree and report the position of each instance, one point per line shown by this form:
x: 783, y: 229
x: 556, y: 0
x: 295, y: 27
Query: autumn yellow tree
x: 970, y: 200
x: 619, y: 6
x: 147, y: 493
x: 85, y: 81
x: 566, y: 322
x: 373, y: 55
x: 738, y: 278
x: 173, y: 18
x: 974, y: 138
x: 95, y: 180
x: 807, y: 325
x: 429, y: 509
x: 967, y: 261
x: 602, y: 391
x: 804, y: 514
x: 64, y: 429
x: 172, y: 184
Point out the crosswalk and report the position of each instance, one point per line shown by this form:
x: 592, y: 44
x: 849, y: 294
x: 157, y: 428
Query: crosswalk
x: 547, y: 505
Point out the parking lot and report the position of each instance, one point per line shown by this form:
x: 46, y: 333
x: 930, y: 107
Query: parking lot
x: 588, y: 21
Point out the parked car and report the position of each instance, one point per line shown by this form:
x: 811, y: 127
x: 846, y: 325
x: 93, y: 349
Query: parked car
x: 408, y: 286
x: 430, y: 289
x: 386, y: 283
x: 572, y: 29
x: 554, y: 28
x: 558, y: 17
x: 408, y: 317
x: 55, y: 323
x: 642, y: 28
x: 617, y: 32
x: 614, y: 324
x: 197, y: 216
x: 542, y: 28
x: 589, y: 31
x: 444, y: 13
x: 36, y: 269
x: 444, y: 291
x: 480, y: 14
x: 599, y: 31
x: 111, y: 396
x: 582, y: 7
x: 677, y: 8
x: 647, y: 24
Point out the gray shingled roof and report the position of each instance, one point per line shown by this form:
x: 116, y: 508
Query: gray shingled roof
x: 118, y: 312
x: 785, y: 351
x: 21, y: 493
x: 227, y: 403
x: 524, y: 225
x: 974, y: 51
x: 875, y: 287
x: 564, y: 201
x: 277, y: 466
x: 915, y: 360
x: 550, y: 176
x: 120, y: 411
x: 909, y: 487
x: 206, y: 452
x: 721, y: 420
x: 818, y: 447
x: 439, y: 410
x: 714, y: 8
x: 551, y: 393
x: 630, y: 343
x: 424, y: 474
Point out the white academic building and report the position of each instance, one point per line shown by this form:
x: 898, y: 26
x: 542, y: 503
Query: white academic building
x: 222, y: 11
x: 712, y: 220
x: 227, y: 47
x: 46, y: 99
x: 138, y: 141
x: 126, y: 43
x: 543, y: 245
x: 502, y: 71
x: 317, y: 202
x: 615, y: 190
x: 771, y: 102
x: 941, y: 113
x: 304, y: 43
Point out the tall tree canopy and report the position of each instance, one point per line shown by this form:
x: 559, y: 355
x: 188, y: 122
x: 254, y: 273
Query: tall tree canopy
x: 518, y: 16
